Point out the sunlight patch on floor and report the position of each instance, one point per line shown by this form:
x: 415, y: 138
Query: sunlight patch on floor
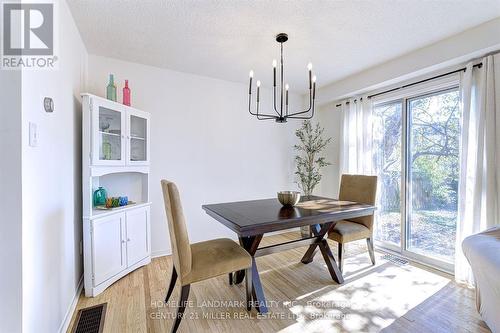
x: 371, y: 298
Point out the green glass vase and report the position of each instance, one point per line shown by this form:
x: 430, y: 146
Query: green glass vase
x: 100, y: 196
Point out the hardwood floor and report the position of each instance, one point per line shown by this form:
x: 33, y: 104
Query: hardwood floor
x: 301, y: 298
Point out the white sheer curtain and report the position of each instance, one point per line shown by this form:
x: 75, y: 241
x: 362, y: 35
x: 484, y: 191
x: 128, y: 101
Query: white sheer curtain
x: 356, y: 149
x: 479, y: 184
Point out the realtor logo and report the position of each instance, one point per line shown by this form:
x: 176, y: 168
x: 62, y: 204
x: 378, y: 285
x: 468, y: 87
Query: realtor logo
x: 28, y: 36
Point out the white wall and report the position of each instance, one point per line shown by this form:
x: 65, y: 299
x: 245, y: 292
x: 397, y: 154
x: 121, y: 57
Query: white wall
x: 329, y: 117
x: 52, y: 227
x: 204, y: 140
x: 10, y: 202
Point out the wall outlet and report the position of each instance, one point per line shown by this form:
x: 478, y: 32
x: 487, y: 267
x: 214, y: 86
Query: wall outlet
x: 33, y: 132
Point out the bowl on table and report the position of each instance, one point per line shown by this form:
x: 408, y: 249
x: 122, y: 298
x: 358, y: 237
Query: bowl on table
x: 288, y: 198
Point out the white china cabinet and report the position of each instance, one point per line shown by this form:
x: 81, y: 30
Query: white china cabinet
x: 115, y: 146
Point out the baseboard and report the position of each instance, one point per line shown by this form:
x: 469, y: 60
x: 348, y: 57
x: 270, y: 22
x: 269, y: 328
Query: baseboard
x: 69, y: 314
x: 161, y: 253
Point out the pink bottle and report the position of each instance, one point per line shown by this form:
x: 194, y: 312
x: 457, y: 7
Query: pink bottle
x: 126, y: 94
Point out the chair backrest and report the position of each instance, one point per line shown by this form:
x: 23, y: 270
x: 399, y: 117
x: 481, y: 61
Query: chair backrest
x: 362, y: 189
x: 181, y: 248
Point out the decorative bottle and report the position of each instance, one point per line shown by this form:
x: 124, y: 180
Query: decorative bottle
x: 111, y: 89
x: 126, y: 94
x: 100, y: 196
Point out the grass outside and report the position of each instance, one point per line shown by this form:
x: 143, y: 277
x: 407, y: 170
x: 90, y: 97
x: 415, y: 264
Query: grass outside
x: 432, y: 233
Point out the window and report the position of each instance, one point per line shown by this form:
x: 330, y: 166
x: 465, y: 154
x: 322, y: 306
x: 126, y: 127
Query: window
x: 416, y: 156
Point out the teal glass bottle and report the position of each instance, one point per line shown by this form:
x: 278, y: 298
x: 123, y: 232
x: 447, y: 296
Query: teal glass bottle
x: 111, y: 89
x: 100, y: 196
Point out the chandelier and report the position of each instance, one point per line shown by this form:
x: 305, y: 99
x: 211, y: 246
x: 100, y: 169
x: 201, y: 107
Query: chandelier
x: 281, y: 113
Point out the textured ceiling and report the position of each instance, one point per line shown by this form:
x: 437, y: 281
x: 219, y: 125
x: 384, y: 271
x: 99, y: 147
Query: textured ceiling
x: 225, y: 39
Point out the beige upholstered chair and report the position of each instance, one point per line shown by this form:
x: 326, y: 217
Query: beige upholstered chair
x: 362, y: 189
x: 199, y: 261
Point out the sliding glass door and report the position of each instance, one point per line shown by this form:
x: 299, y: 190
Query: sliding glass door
x: 387, y: 145
x: 433, y: 135
x: 416, y: 147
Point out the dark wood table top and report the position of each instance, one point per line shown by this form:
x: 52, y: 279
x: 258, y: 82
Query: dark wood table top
x: 255, y: 217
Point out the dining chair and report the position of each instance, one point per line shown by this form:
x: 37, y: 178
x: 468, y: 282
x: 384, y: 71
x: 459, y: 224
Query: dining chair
x: 362, y: 189
x: 199, y: 261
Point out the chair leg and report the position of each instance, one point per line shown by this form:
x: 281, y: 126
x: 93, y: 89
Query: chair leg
x: 248, y: 285
x: 181, y: 307
x: 369, y: 243
x: 231, y: 278
x: 341, y: 256
x: 173, y: 279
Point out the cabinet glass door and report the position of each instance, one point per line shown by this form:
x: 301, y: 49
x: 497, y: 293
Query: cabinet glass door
x: 109, y: 137
x: 138, y: 138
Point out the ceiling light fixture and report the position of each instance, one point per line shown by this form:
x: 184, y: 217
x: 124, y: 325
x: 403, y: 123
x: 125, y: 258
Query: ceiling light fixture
x: 282, y: 115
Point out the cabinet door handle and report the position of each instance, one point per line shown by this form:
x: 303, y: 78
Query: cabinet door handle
x: 123, y: 241
x: 128, y: 239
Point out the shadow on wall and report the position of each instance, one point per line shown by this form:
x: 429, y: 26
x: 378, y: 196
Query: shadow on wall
x: 77, y: 181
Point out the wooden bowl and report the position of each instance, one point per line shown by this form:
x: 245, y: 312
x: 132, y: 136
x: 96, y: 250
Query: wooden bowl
x: 288, y: 198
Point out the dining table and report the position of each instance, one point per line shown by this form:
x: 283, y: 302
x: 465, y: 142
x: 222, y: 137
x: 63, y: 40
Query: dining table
x: 251, y: 220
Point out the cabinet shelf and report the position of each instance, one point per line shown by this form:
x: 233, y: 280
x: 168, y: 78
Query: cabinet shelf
x: 110, y: 134
x: 98, y: 213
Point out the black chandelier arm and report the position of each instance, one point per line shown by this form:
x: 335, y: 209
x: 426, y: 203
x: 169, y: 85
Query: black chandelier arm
x: 270, y: 116
x: 310, y: 106
x: 263, y: 116
x: 308, y: 117
x: 257, y: 113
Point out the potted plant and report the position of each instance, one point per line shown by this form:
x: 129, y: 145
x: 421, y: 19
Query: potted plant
x: 309, y: 160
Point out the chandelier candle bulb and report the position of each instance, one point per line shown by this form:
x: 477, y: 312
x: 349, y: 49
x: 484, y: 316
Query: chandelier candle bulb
x: 275, y: 63
x: 250, y: 85
x: 314, y: 87
x: 309, y: 67
x: 258, y: 91
x: 286, y: 97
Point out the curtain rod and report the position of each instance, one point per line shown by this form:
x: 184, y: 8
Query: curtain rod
x: 418, y: 82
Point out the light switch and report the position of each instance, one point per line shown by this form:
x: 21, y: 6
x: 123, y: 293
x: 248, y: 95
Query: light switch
x: 33, y: 142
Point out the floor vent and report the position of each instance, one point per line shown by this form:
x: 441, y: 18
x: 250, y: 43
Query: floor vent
x: 90, y: 320
x: 395, y: 260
